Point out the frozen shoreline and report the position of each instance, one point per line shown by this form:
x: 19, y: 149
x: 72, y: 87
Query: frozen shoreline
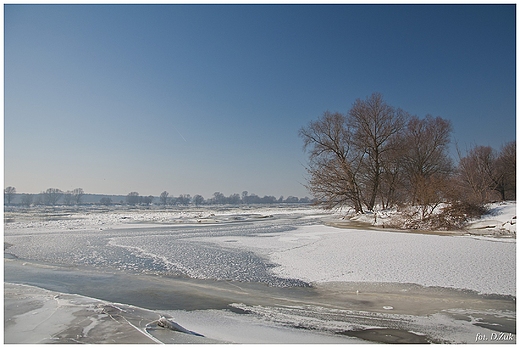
x: 337, y: 313
x: 356, y: 273
x: 372, y: 256
x: 35, y: 315
x: 99, y: 218
x: 319, y: 254
x: 314, y: 252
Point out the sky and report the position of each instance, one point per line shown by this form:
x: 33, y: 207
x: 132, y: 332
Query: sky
x: 195, y: 99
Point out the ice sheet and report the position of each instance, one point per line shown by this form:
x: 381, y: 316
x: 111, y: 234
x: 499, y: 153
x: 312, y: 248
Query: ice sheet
x: 248, y: 243
x: 35, y: 315
x: 325, y: 254
x: 277, y: 247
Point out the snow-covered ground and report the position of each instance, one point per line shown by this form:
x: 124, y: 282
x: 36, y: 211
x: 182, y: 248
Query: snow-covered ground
x: 325, y: 254
x: 310, y: 251
x: 71, y: 218
x: 501, y: 220
x: 276, y: 246
x: 321, y: 253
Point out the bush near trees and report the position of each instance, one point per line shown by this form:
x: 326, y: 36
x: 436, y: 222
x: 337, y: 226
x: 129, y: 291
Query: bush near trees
x: 377, y: 154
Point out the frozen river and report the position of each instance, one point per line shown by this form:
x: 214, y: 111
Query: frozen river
x: 174, y: 250
x: 275, y: 269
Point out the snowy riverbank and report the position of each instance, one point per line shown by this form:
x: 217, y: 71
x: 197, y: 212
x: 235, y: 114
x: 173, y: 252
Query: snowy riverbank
x: 247, y: 267
x: 327, y: 254
x: 486, y: 266
x: 312, y: 252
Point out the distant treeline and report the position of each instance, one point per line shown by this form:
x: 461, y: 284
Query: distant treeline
x: 54, y: 197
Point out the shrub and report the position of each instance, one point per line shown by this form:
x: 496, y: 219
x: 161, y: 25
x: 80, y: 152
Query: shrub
x: 456, y: 215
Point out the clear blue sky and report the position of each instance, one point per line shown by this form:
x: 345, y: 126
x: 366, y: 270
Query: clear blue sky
x: 203, y: 98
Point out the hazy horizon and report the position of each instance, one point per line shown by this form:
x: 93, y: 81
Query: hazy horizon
x: 226, y: 194
x: 204, y: 98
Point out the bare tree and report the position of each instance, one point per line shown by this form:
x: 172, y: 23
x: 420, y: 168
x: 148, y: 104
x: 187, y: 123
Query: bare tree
x: 52, y: 196
x: 473, y: 174
x: 27, y: 199
x: 349, y: 155
x: 105, y: 200
x: 164, y: 197
x: 233, y: 199
x: 67, y: 198
x: 392, y: 186
x: 506, y: 165
x: 334, y: 165
x: 147, y: 200
x: 184, y: 199
x: 198, y: 200
x: 426, y: 162
x: 219, y: 198
x: 77, y: 195
x: 38, y: 198
x: 291, y: 199
x: 374, y: 124
x: 485, y: 175
x: 333, y: 183
x: 377, y: 154
x: 132, y: 198
x: 9, y: 193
